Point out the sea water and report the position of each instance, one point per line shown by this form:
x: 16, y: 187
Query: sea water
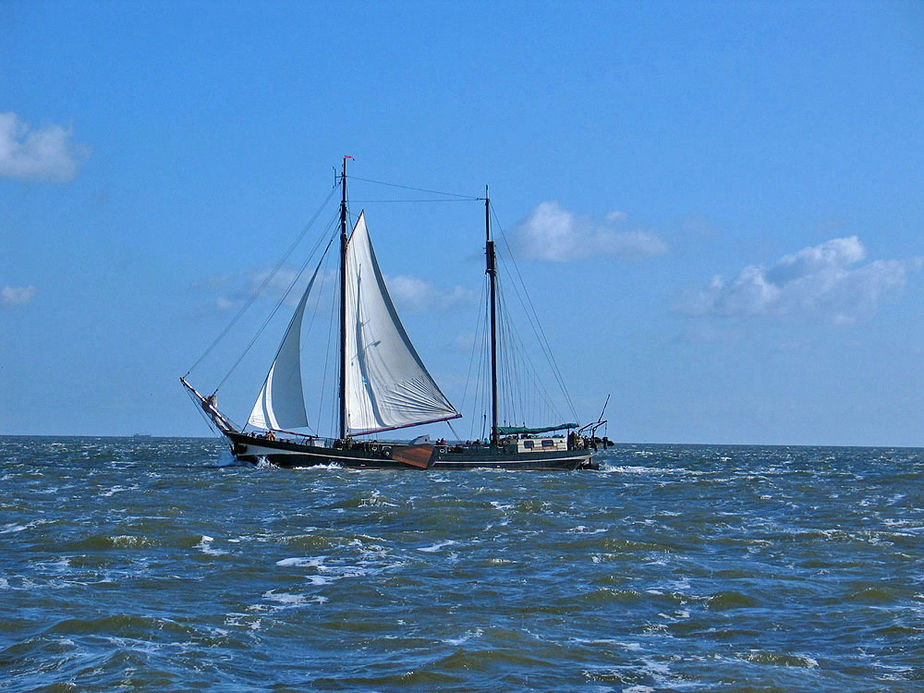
x: 162, y: 564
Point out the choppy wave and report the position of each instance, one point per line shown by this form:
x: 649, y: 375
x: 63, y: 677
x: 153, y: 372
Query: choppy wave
x: 161, y: 563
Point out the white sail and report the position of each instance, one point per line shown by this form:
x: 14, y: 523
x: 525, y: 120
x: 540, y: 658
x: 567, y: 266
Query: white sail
x: 387, y: 385
x: 281, y: 402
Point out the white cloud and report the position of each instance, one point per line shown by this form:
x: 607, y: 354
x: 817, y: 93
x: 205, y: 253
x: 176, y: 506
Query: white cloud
x: 420, y: 296
x: 410, y: 294
x: 554, y: 234
x: 825, y: 282
x: 12, y: 296
x: 462, y: 343
x: 224, y: 304
x: 274, y: 286
x: 231, y: 292
x: 45, y: 154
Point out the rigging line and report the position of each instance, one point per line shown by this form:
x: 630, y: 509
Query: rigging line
x: 523, y: 356
x: 449, y: 423
x: 501, y: 361
x: 546, y: 396
x: 480, y: 396
x: 505, y: 358
x: 205, y: 417
x: 522, y: 381
x: 411, y: 187
x: 276, y: 309
x: 262, y: 286
x: 537, y: 389
x: 313, y: 308
x: 515, y: 382
x: 422, y: 200
x: 528, y: 359
x: 328, y: 351
x: 507, y: 378
x: 538, y: 324
x: 471, y: 357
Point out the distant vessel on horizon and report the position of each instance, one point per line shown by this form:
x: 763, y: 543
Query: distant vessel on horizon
x: 383, y: 385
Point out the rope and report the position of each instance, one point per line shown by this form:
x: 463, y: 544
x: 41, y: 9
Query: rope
x: 327, y: 352
x: 457, y: 437
x: 535, y: 322
x: 524, y: 358
x: 276, y: 309
x: 265, y: 283
x: 410, y: 187
x: 432, y: 199
x: 479, y: 323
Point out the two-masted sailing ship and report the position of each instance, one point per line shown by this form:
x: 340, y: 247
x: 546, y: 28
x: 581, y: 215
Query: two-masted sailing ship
x: 383, y: 385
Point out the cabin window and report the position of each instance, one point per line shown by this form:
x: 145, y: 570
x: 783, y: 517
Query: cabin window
x: 548, y: 443
x: 528, y: 444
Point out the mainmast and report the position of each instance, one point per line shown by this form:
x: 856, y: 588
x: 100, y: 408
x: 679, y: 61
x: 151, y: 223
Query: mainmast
x: 492, y: 274
x: 343, y: 300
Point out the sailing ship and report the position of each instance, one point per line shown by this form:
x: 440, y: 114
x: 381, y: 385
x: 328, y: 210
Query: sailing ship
x: 383, y: 386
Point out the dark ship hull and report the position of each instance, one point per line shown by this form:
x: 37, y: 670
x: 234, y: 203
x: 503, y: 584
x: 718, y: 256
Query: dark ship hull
x: 375, y: 455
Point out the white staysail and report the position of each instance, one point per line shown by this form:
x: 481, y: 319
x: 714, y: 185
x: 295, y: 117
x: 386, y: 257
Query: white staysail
x: 387, y: 385
x: 281, y: 402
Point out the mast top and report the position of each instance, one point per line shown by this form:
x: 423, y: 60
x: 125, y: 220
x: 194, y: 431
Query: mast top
x: 487, y: 213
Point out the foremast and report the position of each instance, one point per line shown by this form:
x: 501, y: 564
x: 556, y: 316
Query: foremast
x: 343, y: 300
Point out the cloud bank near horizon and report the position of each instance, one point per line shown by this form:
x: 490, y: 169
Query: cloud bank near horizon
x: 826, y: 282
x: 45, y: 154
x: 551, y: 233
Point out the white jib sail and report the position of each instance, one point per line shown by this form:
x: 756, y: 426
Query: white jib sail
x: 387, y: 385
x: 281, y: 402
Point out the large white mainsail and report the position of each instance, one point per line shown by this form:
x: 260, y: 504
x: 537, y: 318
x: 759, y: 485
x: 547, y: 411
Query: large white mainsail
x: 281, y: 402
x: 387, y: 385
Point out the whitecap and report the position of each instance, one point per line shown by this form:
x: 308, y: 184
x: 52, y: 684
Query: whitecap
x: 436, y: 547
x: 117, y: 489
x: 469, y: 635
x: 285, y: 597
x: 317, y: 467
x: 632, y: 470
x: 319, y: 580
x: 123, y: 541
x: 205, y: 546
x: 657, y: 667
x: 300, y: 562
x: 581, y: 529
x: 289, y: 600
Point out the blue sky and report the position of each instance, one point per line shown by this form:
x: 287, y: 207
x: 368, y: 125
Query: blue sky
x: 717, y: 206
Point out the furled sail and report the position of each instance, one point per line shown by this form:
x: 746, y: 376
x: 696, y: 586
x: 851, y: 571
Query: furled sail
x: 387, y: 385
x: 281, y: 402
